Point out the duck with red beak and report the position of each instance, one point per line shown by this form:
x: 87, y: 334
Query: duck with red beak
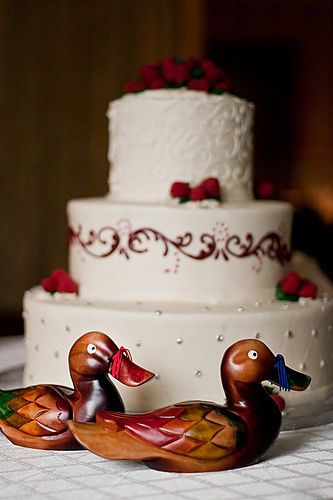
x: 36, y: 417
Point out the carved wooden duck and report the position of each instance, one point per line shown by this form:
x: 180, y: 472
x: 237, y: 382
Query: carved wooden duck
x: 201, y: 436
x: 36, y: 417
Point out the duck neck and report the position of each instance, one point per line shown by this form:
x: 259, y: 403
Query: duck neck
x: 253, y: 403
x: 92, y: 394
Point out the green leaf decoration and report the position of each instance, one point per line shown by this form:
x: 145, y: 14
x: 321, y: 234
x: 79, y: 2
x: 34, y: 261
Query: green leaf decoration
x: 217, y: 91
x: 197, y: 72
x: 281, y: 295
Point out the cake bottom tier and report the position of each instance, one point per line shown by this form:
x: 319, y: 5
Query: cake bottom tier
x: 182, y: 344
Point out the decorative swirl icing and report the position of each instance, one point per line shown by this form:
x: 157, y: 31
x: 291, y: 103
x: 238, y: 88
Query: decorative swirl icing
x: 162, y: 136
x: 108, y: 240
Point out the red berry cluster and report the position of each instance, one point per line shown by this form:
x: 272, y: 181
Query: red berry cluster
x: 59, y: 281
x: 207, y: 189
x: 292, y: 286
x: 195, y: 74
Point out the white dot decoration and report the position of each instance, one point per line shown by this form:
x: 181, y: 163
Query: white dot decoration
x: 158, y: 313
x: 179, y: 341
x: 56, y: 354
x: 240, y: 309
x: 198, y: 373
x: 257, y: 303
x: 157, y: 375
x: 219, y: 338
x: 302, y: 366
x: 138, y: 343
x: 303, y: 301
x: 322, y: 363
x: 289, y: 334
x: 314, y: 332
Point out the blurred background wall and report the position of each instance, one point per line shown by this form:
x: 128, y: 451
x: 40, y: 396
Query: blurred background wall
x: 62, y: 61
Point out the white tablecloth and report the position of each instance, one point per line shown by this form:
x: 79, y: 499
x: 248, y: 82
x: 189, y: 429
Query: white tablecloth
x: 298, y: 467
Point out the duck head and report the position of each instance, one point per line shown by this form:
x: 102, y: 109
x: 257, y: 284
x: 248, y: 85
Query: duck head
x: 95, y: 354
x: 250, y: 361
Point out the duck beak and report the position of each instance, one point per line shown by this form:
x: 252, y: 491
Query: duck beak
x: 287, y: 378
x: 130, y: 374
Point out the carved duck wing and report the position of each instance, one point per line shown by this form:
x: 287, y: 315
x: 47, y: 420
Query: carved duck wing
x: 197, y: 430
x: 35, y: 412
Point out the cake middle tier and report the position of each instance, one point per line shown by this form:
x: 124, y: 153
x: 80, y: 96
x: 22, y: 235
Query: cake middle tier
x: 187, y: 253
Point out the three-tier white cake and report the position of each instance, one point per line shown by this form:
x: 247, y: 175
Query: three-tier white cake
x: 177, y: 283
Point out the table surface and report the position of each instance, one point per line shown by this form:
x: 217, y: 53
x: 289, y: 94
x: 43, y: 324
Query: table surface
x: 298, y: 466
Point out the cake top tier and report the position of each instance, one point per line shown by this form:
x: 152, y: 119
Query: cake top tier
x: 164, y: 135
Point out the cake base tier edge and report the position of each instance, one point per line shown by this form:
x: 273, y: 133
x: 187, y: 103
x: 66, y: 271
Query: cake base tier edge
x: 183, y: 346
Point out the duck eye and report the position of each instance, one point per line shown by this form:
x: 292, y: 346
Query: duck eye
x: 91, y: 348
x: 252, y: 354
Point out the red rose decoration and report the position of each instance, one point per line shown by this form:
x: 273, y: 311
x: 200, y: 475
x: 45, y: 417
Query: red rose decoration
x: 157, y: 83
x: 174, y: 72
x: 148, y: 73
x: 308, y: 290
x: 193, y: 73
x: 264, y: 190
x: 211, y: 71
x: 180, y: 190
x: 211, y: 187
x: 223, y: 85
x: 197, y: 193
x: 199, y: 84
x: 59, y: 281
x: 290, y: 283
x: 134, y: 86
x: 292, y: 287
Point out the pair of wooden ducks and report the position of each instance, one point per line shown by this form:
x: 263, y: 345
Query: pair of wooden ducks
x: 185, y: 437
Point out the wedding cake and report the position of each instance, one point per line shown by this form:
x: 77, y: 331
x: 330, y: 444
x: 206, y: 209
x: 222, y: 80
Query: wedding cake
x: 179, y: 261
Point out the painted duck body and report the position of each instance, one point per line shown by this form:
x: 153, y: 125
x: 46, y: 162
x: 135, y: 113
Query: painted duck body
x: 201, y: 436
x: 37, y: 416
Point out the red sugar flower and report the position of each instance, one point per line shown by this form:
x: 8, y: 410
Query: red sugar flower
x: 199, y: 84
x: 134, y: 86
x: 290, y: 283
x: 264, y: 190
x: 149, y: 72
x: 197, y: 193
x: 157, y: 83
x: 175, y: 72
x: 292, y: 287
x: 211, y: 71
x: 308, y: 290
x: 211, y: 187
x: 59, y: 281
x: 180, y: 190
x: 194, y: 73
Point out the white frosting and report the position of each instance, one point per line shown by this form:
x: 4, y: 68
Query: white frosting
x: 109, y: 263
x: 178, y: 284
x: 161, y: 136
x: 183, y: 343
